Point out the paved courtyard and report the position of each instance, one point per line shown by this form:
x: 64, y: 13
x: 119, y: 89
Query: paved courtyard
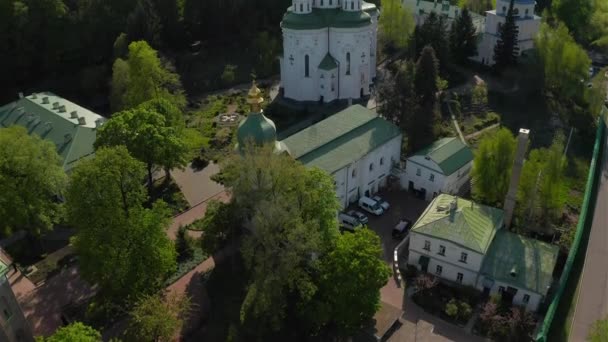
x: 196, y: 185
x: 415, y: 323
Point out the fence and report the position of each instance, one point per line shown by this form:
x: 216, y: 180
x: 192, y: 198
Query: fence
x: 584, y: 224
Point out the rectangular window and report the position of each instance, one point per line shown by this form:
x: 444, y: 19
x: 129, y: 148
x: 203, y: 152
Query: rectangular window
x: 459, y: 278
x: 438, y: 270
x: 441, y: 250
x: 427, y: 245
x: 463, y: 257
x: 418, y: 172
x: 432, y: 177
x: 526, y: 299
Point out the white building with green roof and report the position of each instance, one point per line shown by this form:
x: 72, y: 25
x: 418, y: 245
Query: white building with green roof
x: 442, y: 167
x: 356, y: 146
x: 463, y: 242
x: 329, y: 49
x: 72, y: 128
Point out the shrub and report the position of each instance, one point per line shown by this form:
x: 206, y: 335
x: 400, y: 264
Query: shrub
x: 451, y: 308
x: 184, y: 245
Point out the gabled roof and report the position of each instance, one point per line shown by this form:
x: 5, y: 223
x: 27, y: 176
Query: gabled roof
x: 36, y: 113
x: 472, y: 225
x: 341, y: 139
x: 450, y: 154
x: 328, y: 63
x: 521, y: 261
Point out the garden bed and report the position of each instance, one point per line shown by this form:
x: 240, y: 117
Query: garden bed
x: 452, y: 303
x: 187, y: 265
x: 52, y: 264
x: 170, y: 193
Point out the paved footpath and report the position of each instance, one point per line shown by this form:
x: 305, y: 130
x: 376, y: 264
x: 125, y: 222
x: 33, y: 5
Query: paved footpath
x: 592, y: 303
x: 194, y: 213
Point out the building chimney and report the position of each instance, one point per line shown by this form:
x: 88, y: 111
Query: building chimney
x: 453, y: 208
x: 55, y: 105
x: 62, y: 109
x: 82, y: 121
x: 518, y: 163
x: 74, y: 114
x: 45, y: 100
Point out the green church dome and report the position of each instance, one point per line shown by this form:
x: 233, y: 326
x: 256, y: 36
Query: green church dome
x: 258, y: 128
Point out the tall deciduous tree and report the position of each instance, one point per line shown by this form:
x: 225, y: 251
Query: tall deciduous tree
x: 506, y: 50
x: 396, y: 24
x: 31, y: 176
x: 143, y: 77
x: 575, y: 14
x: 292, y: 213
x: 148, y: 135
x: 565, y: 63
x: 157, y: 318
x: 122, y: 246
x: 74, y: 332
x: 492, y: 167
x: 351, y: 277
x: 463, y: 37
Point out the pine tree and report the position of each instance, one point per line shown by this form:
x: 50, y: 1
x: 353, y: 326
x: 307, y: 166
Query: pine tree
x: 421, y: 129
x: 507, y: 49
x: 463, y: 37
x: 433, y: 32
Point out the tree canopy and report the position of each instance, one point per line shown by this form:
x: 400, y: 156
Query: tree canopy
x: 433, y: 32
x: 396, y: 24
x: 143, y: 77
x: 421, y: 128
x: 31, y: 179
x: 121, y: 245
x: 506, y: 50
x: 463, y: 37
x: 157, y: 318
x: 492, y: 166
x: 75, y: 332
x: 148, y: 135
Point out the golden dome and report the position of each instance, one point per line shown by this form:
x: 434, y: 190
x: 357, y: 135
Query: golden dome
x: 254, y: 98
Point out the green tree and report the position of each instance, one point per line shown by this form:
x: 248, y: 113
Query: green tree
x: 75, y: 332
x: 157, y: 318
x: 477, y: 6
x: 148, y: 136
x: 121, y: 46
x: 292, y: 213
x: 351, y: 277
x: 463, y: 37
x: 121, y: 245
x: 451, y: 308
x: 565, y: 63
x: 397, y: 95
x: 433, y: 32
x: 599, y: 331
x: 220, y: 224
x: 31, y: 176
x: 598, y: 27
x: 479, y: 96
x: 144, y: 23
x: 267, y: 48
x: 396, y: 24
x: 506, y: 50
x: 575, y: 14
x: 492, y: 166
x: 421, y: 127
x: 229, y: 74
x: 143, y: 77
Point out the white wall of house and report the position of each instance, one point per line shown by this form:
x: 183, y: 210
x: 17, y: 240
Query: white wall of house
x: 450, y: 261
x: 534, y: 299
x: 426, y: 174
x: 369, y: 173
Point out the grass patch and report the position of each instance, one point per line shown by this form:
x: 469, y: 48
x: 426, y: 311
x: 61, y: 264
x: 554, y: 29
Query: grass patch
x: 475, y: 123
x: 167, y: 190
x: 186, y: 266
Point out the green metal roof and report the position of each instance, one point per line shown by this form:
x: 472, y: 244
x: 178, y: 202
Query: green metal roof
x: 472, y: 225
x: 341, y: 139
x: 3, y: 268
x: 328, y: 63
x: 449, y: 153
x: 532, y: 262
x: 36, y: 113
x: 325, y: 17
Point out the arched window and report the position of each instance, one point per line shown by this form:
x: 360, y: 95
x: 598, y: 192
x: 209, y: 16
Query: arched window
x: 516, y: 11
x: 504, y: 9
x: 306, y: 66
x: 371, y: 167
x: 382, y: 161
x: 352, y: 5
x: 527, y: 11
x: 348, y: 63
x: 353, y: 174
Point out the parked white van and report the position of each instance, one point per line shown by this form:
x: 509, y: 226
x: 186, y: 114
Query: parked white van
x: 370, y: 206
x: 348, y: 222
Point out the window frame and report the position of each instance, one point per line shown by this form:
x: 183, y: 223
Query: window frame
x: 438, y: 270
x: 463, y: 257
x: 525, y: 299
x: 459, y: 277
x: 441, y: 250
x: 427, y: 245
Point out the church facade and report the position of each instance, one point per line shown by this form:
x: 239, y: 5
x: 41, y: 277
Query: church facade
x: 329, y: 50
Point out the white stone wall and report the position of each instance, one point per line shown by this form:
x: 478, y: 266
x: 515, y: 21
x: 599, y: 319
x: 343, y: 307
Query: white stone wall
x: 450, y: 261
x: 440, y: 183
x: 533, y: 303
x: 456, y: 180
x: 351, y: 185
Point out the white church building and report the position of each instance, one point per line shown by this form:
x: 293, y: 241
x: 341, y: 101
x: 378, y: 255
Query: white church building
x: 329, y: 50
x: 527, y: 22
